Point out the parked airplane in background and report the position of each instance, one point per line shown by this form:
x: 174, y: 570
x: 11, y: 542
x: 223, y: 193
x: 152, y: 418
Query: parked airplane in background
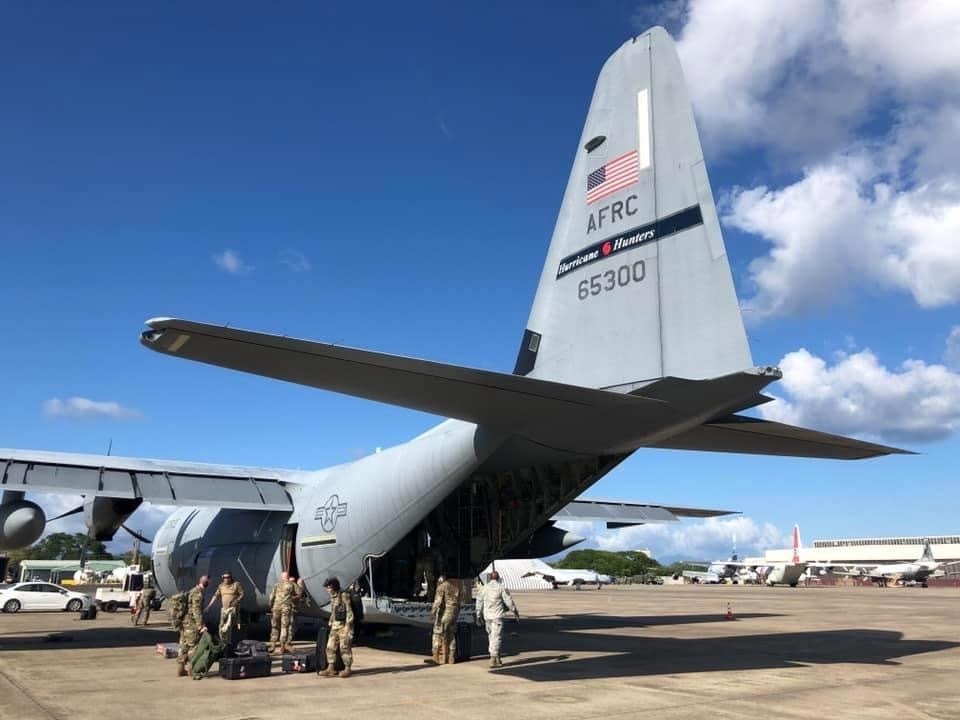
x: 560, y: 576
x: 785, y: 573
x: 919, y: 571
x: 635, y: 340
x: 718, y: 571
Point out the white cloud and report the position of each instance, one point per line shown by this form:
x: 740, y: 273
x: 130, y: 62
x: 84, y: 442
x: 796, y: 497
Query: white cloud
x: 850, y: 223
x: 801, y: 76
x: 803, y: 80
x: 951, y: 356
x: 232, y: 263
x: 83, y: 408
x: 295, y: 261
x: 916, y: 402
x: 710, y: 539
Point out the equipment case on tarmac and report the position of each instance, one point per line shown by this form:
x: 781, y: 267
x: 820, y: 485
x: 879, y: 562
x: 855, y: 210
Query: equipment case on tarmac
x: 299, y: 662
x: 167, y: 650
x: 323, y: 634
x: 248, y: 667
x: 464, y: 642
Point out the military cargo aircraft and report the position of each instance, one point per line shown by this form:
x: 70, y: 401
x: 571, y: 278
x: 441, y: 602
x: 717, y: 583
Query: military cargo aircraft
x: 634, y: 340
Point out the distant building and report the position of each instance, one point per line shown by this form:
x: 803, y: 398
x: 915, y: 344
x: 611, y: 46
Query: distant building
x: 56, y: 571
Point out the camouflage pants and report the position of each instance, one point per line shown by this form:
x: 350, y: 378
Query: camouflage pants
x: 228, y: 621
x: 445, y: 636
x: 341, y: 637
x: 144, y: 612
x: 281, y: 625
x: 494, y: 633
x: 189, y: 637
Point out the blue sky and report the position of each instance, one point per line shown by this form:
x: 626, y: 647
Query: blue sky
x: 360, y: 178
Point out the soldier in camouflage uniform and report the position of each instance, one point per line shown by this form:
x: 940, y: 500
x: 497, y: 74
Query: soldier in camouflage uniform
x: 446, y: 612
x: 341, y: 629
x: 230, y: 592
x: 192, y: 625
x: 146, y: 598
x: 284, y: 599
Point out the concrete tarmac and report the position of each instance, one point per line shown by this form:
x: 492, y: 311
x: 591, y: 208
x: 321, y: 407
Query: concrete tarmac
x: 620, y: 652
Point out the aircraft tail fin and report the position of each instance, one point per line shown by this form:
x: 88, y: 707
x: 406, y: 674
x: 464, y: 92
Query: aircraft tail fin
x: 636, y: 284
x: 796, y: 544
x: 927, y: 555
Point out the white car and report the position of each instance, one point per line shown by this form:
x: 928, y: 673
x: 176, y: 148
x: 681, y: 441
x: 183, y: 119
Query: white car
x: 41, y: 596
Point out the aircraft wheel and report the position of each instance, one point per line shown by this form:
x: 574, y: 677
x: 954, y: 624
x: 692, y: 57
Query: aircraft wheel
x: 74, y: 605
x: 11, y: 606
x: 923, y: 584
x: 110, y: 606
x: 793, y: 584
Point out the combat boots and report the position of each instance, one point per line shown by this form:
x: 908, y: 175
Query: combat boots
x: 329, y: 672
x: 345, y: 673
x: 181, y: 670
x: 435, y: 660
x: 448, y: 656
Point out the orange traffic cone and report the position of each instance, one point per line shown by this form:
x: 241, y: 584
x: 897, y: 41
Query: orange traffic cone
x: 729, y: 612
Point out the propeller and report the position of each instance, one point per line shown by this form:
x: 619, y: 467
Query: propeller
x: 68, y: 513
x: 79, y: 509
x: 138, y: 536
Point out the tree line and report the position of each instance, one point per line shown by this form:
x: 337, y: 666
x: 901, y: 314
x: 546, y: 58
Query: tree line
x: 625, y: 563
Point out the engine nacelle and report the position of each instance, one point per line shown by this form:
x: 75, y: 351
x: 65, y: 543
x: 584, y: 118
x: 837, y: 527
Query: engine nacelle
x: 105, y: 515
x: 21, y: 524
x: 546, y: 541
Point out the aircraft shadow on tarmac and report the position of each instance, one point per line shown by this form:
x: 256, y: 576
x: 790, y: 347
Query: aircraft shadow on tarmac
x: 632, y: 655
x: 543, y: 649
x: 86, y: 635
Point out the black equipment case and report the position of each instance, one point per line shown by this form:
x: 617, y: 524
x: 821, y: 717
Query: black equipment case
x: 247, y: 667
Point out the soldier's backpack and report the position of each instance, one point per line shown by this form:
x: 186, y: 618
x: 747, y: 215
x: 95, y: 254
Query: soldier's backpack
x: 356, y: 603
x: 178, y: 610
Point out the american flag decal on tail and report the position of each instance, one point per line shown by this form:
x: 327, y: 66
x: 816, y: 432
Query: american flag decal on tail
x: 615, y: 175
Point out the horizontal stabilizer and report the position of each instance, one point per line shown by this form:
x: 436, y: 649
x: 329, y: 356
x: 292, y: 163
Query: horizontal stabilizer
x: 161, y: 482
x: 625, y: 514
x: 738, y: 434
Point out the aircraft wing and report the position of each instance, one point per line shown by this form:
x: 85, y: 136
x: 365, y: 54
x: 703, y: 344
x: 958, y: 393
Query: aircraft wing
x: 851, y: 569
x: 163, y: 482
x: 617, y: 514
x: 739, y: 434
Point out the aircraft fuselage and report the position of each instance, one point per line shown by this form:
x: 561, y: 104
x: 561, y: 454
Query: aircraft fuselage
x: 343, y: 516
